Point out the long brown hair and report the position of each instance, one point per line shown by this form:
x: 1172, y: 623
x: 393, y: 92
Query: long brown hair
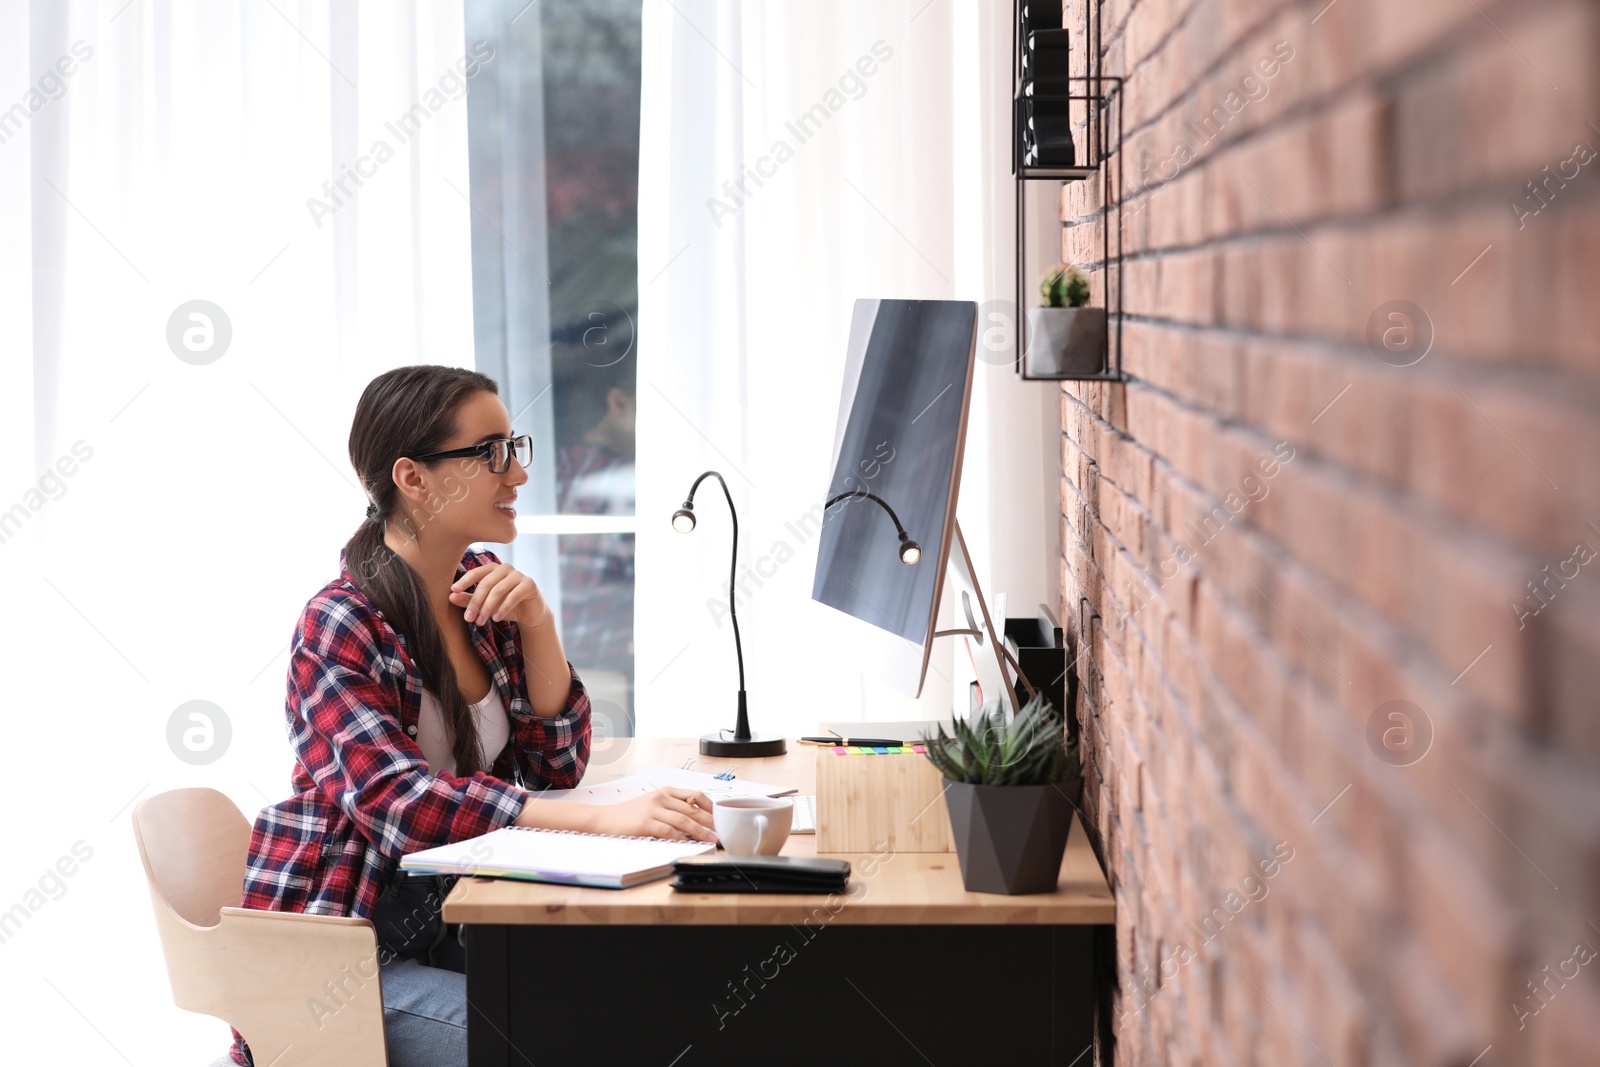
x: 406, y: 412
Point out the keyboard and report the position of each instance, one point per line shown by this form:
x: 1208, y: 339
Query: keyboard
x: 805, y: 815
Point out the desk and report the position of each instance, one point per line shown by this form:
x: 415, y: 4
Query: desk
x: 907, y: 967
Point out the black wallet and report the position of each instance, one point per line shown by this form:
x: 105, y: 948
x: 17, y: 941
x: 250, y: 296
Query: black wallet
x: 712, y: 872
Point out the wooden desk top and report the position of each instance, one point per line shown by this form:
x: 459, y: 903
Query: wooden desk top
x: 903, y: 888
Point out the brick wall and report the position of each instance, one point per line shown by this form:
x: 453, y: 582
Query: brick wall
x: 1271, y: 533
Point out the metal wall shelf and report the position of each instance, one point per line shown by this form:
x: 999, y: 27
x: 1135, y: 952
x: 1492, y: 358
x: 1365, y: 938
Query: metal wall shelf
x: 1095, y: 100
x: 1070, y: 174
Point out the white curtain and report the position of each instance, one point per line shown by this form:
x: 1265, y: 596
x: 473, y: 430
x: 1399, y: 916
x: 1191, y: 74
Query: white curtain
x: 163, y: 519
x: 870, y: 142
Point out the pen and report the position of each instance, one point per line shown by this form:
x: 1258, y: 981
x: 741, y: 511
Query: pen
x: 865, y: 742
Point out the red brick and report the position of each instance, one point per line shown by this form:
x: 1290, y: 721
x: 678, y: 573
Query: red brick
x: 1225, y: 699
x: 1465, y: 929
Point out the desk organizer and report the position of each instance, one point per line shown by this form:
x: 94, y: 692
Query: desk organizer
x: 1037, y: 645
x: 871, y: 798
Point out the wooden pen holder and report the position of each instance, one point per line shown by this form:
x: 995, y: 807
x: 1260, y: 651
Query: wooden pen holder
x: 866, y: 801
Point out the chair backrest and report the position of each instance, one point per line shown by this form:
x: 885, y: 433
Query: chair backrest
x: 194, y: 844
x: 304, y: 990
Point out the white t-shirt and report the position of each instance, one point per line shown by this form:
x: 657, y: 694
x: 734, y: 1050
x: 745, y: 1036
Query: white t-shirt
x: 494, y: 730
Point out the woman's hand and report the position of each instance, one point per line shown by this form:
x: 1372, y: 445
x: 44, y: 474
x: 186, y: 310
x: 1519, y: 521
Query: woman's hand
x: 500, y: 591
x: 666, y: 812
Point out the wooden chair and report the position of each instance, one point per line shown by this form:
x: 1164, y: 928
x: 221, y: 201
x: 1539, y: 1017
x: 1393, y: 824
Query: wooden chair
x: 263, y: 972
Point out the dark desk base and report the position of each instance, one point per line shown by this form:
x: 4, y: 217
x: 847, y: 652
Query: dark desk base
x: 685, y: 996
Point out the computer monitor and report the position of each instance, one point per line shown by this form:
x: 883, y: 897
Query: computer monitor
x: 892, y: 495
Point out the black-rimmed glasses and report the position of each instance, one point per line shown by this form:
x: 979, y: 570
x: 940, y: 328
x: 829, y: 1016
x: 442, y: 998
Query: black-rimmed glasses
x: 498, y: 453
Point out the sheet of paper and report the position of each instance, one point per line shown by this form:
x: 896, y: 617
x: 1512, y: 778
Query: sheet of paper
x: 620, y: 789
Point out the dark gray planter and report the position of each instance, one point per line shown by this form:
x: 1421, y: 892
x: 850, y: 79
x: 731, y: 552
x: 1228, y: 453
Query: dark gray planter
x: 1065, y: 342
x: 1010, y: 838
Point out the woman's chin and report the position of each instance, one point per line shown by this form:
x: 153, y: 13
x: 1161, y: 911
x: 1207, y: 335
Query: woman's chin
x: 501, y: 532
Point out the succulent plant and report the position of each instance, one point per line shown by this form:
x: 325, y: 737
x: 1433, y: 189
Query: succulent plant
x: 1064, y: 286
x: 1030, y: 750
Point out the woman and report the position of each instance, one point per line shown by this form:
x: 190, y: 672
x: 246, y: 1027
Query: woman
x: 428, y: 693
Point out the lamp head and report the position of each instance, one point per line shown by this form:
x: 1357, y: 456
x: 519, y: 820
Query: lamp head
x: 910, y: 551
x: 683, y: 518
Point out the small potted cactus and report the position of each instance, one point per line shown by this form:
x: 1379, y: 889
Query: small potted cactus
x: 1011, y: 790
x: 1066, y: 337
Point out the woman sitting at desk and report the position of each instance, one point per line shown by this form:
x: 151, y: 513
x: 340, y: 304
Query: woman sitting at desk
x: 391, y: 755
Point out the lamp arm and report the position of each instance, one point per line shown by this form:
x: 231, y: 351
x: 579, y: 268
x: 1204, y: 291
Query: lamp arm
x: 901, y: 530
x: 733, y: 571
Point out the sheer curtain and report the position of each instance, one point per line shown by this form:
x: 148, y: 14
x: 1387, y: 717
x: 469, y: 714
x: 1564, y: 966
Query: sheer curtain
x: 795, y: 158
x: 173, y: 489
x: 511, y: 267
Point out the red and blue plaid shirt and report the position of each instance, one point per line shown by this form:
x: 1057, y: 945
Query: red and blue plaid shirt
x: 363, y: 794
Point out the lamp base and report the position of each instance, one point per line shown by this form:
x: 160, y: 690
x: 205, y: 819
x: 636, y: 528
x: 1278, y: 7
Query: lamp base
x: 721, y: 743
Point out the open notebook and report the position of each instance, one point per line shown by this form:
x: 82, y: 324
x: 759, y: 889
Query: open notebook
x: 564, y: 856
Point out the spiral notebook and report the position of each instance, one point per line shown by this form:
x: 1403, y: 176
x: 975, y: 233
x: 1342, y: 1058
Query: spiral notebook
x: 566, y: 857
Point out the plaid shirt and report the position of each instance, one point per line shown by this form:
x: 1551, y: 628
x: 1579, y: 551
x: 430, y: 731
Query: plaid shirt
x: 363, y: 795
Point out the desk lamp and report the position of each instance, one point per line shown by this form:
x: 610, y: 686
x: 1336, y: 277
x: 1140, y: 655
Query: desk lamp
x: 910, y: 551
x: 743, y: 744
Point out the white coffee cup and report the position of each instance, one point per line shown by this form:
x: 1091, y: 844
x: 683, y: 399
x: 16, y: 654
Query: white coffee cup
x: 756, y: 826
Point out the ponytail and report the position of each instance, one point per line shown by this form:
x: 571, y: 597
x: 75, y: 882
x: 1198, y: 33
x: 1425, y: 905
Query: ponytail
x: 404, y: 412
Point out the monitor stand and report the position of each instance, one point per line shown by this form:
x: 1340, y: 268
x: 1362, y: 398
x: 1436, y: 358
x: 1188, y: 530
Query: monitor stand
x: 989, y: 639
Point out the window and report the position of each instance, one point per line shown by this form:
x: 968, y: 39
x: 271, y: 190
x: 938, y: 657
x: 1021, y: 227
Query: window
x: 553, y: 142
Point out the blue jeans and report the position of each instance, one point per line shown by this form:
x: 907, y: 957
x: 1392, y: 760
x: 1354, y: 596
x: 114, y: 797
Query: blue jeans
x: 423, y: 968
x: 424, y: 1015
